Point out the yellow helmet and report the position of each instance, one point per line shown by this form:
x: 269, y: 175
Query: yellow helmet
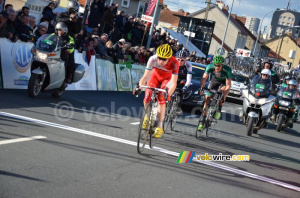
x: 164, y: 51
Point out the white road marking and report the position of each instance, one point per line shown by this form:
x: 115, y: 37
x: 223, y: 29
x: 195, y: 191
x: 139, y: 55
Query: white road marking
x: 175, y: 154
x: 21, y: 139
x: 135, y: 123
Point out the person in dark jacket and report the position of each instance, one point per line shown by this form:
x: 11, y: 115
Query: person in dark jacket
x: 101, y: 48
x: 136, y: 35
x: 3, y: 30
x: 41, y: 30
x: 11, y: 25
x: 24, y: 32
x: 94, y: 17
x: 51, y: 28
x: 48, y: 11
x: 117, y: 51
x: 108, y: 19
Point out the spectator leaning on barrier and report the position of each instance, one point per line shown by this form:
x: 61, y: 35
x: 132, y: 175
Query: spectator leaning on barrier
x: 109, y: 49
x: 89, y: 48
x: 101, y: 49
x: 117, y: 51
x: 3, y: 31
x: 141, y: 58
x: 24, y: 32
x: 40, y: 31
x: 32, y: 22
x: 51, y: 28
x: 10, y: 24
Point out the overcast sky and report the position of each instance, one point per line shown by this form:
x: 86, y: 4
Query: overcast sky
x: 255, y: 8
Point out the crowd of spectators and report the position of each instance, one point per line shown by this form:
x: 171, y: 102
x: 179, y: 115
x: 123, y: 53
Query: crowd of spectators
x: 109, y: 33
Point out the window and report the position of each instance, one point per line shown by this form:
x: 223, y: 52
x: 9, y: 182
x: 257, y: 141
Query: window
x: 282, y: 23
x: 288, y: 24
x: 279, y: 22
x: 293, y: 19
x: 289, y: 18
x: 125, y: 3
x: 284, y: 18
x: 141, y: 9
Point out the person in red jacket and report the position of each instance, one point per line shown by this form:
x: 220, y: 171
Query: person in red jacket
x: 89, y: 48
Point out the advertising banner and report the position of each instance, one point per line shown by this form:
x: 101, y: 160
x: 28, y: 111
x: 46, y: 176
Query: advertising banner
x: 151, y: 7
x: 243, y: 52
x: 15, y: 61
x: 137, y: 72
x: 123, y: 78
x: 106, y: 75
x: 88, y: 82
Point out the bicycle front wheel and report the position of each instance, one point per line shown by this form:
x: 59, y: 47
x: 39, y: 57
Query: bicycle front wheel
x: 200, y: 132
x: 144, y: 129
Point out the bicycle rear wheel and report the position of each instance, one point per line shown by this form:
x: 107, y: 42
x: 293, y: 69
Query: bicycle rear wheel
x: 168, y: 115
x: 144, y: 134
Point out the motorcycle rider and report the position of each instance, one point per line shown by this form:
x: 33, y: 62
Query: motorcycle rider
x: 265, y: 83
x: 67, y: 54
x: 292, y: 88
x: 286, y: 81
x: 268, y: 64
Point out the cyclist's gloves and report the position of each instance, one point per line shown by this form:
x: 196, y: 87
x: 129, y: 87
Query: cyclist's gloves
x: 136, y: 90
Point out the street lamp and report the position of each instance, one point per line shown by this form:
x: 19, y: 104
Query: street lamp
x: 254, y: 50
x: 297, y: 26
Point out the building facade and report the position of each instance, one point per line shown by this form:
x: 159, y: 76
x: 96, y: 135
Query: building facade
x: 282, y: 21
x: 252, y: 24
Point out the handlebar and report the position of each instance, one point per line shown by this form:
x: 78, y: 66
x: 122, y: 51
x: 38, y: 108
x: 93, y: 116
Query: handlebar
x: 157, y: 89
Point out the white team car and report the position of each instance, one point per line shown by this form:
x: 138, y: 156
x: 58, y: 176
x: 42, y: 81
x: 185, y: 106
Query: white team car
x: 238, y: 81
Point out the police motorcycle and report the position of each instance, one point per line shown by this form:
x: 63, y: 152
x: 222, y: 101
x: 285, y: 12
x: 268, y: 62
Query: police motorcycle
x: 256, y: 110
x: 48, y: 71
x: 284, y: 107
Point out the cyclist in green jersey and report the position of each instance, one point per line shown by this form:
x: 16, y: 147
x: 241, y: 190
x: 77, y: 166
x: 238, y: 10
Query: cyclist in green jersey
x: 221, y: 76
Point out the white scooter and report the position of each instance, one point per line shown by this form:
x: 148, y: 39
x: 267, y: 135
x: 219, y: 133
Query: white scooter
x: 48, y: 71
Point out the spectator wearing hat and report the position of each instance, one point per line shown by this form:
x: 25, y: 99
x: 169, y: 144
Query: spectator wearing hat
x: 117, y: 51
x: 3, y: 30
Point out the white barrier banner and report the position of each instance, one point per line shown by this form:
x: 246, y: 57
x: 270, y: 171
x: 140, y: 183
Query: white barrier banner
x: 137, y: 72
x: 106, y: 75
x: 16, y: 61
x: 88, y: 82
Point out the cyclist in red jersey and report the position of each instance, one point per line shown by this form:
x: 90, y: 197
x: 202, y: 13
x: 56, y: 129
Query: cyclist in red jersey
x: 161, y: 68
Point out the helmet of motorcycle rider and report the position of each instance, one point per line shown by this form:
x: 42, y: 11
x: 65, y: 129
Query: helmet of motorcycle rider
x: 293, y: 83
x: 266, y: 72
x: 270, y: 62
x: 61, y: 26
x: 72, y: 7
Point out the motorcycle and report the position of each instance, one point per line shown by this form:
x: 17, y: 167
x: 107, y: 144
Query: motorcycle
x: 256, y: 111
x: 285, y: 104
x: 48, y: 71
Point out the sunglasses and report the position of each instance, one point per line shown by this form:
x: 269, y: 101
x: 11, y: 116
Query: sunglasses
x: 162, y: 59
x: 180, y: 59
x: 218, y: 65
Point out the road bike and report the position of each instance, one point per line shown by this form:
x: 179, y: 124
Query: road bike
x: 150, y: 110
x: 171, y: 111
x: 211, y: 108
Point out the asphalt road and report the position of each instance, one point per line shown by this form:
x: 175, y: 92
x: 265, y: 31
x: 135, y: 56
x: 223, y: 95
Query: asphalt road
x: 88, y: 149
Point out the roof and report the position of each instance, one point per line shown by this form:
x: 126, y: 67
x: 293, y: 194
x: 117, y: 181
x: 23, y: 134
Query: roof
x: 273, y: 54
x: 285, y: 35
x: 227, y: 48
x: 167, y: 16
